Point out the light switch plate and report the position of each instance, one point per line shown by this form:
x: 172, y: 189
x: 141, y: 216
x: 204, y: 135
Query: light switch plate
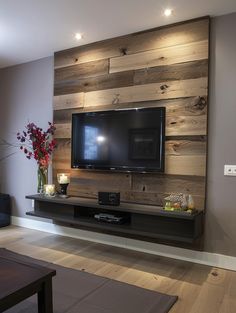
x: 230, y: 170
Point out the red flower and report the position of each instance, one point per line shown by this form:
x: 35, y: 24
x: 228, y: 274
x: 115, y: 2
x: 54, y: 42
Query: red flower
x: 37, y: 143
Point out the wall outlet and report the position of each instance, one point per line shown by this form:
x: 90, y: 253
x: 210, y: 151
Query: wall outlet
x: 230, y: 170
x: 32, y: 204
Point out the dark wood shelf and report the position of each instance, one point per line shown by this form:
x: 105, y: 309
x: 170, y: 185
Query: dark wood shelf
x: 142, y: 220
x: 124, y: 206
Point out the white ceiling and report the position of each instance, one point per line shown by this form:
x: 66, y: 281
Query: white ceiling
x: 33, y: 29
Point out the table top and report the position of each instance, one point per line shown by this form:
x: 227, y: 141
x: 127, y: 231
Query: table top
x: 16, y: 274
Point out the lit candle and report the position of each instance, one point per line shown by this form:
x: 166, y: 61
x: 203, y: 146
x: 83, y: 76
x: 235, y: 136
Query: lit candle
x: 49, y: 190
x: 63, y: 178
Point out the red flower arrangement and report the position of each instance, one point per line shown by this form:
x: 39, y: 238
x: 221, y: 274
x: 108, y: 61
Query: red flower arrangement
x: 39, y: 145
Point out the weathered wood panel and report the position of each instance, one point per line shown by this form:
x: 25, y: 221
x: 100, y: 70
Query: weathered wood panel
x: 178, y: 147
x: 186, y: 125
x: 175, y: 126
x: 185, y: 165
x: 108, y: 81
x: 165, y: 56
x: 174, y: 35
x: 156, y: 198
x: 180, y: 160
x: 80, y: 71
x: 165, y: 67
x: 63, y: 130
x: 148, y: 92
x: 185, y: 147
x: 182, y: 71
x: 185, y: 107
x: 70, y: 101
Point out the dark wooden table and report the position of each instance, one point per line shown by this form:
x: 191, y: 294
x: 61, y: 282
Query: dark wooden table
x: 22, y: 279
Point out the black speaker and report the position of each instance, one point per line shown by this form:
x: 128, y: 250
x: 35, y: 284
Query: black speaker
x: 5, y: 210
x: 109, y: 198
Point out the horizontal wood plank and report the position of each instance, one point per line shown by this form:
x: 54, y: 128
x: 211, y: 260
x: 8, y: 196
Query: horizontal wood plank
x: 186, y: 165
x: 63, y: 130
x: 185, y: 107
x: 158, y: 74
x: 155, y: 91
x: 80, y: 71
x: 107, y: 81
x: 189, y: 70
x: 175, y: 126
x: 168, y: 183
x: 186, y: 125
x: 185, y: 147
x: 140, y: 188
x: 166, y: 56
x: 180, y: 159
x: 183, y: 33
x: 156, y: 198
x: 68, y: 101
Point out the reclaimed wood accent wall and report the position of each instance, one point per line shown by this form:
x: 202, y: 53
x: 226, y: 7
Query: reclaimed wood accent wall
x: 166, y: 66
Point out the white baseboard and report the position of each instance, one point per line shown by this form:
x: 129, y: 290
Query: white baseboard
x: 200, y: 257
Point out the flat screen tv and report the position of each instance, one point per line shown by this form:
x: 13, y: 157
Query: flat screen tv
x: 119, y: 140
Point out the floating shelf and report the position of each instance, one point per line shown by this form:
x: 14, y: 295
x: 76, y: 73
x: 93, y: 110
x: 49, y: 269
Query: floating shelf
x: 143, y: 221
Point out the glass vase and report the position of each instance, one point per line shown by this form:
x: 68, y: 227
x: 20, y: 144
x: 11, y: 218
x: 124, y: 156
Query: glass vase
x: 42, y: 178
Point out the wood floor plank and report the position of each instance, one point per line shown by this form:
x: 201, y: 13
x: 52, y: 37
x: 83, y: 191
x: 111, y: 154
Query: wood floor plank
x: 200, y: 288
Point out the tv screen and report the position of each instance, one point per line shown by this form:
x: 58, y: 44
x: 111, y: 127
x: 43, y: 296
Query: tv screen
x: 119, y: 140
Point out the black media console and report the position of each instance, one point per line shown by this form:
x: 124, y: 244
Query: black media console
x: 140, y: 221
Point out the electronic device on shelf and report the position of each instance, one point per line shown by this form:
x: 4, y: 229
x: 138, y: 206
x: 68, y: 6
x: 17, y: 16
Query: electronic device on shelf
x: 110, y: 218
x: 108, y: 198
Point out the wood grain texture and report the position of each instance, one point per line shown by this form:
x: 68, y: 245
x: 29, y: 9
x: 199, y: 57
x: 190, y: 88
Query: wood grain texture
x: 63, y: 130
x: 172, y: 35
x: 148, y: 92
x: 165, y: 56
x: 192, y: 106
x: 185, y: 147
x: 69, y: 101
x: 182, y: 71
x: 180, y: 159
x: 186, y: 125
x: 107, y: 81
x: 200, y: 288
x: 165, y: 67
x: 80, y: 71
x: 186, y: 165
x: 175, y: 126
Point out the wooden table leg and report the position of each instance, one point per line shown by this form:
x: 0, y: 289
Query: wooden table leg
x: 45, y: 304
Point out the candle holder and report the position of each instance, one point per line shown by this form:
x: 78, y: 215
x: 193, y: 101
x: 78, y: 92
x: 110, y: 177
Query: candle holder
x: 49, y: 190
x: 63, y: 180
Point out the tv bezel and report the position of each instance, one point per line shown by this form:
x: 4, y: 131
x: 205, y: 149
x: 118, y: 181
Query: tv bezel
x: 123, y: 169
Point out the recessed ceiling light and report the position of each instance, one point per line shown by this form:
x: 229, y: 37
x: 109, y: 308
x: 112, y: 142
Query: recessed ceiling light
x: 168, y: 12
x: 78, y: 36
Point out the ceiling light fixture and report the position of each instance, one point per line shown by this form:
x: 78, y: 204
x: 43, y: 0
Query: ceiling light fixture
x: 78, y: 36
x: 168, y: 12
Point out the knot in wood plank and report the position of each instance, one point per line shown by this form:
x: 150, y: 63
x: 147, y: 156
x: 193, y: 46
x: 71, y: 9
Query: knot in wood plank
x: 123, y: 51
x: 116, y: 100
x: 164, y: 88
x: 201, y: 103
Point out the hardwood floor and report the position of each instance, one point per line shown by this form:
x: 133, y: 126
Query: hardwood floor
x: 201, y: 289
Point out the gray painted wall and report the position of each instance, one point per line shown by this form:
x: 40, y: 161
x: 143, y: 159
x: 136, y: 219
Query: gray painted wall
x: 26, y: 94
x: 221, y: 194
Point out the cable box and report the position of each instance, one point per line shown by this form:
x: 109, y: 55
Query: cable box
x: 110, y: 218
